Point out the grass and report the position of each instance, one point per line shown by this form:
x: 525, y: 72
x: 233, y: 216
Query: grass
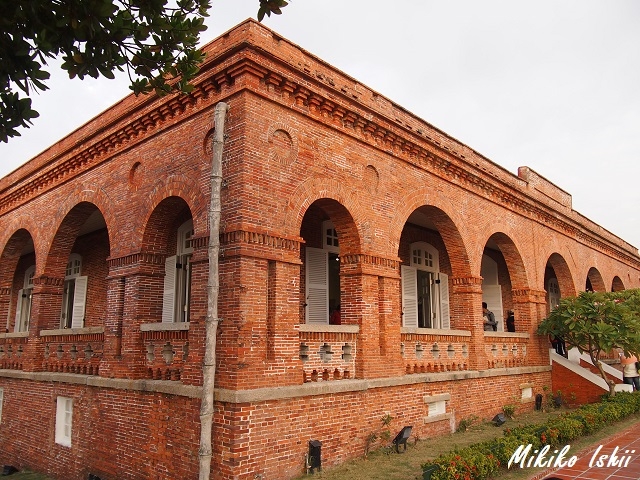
x: 385, y: 464
x: 27, y: 475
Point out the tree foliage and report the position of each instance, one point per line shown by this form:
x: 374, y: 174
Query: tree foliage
x: 596, y: 323
x: 155, y: 41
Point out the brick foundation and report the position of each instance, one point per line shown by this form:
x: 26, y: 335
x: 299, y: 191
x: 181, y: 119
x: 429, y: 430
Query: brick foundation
x: 305, y: 145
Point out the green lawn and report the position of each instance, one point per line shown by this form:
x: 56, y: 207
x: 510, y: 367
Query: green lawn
x: 26, y: 475
x: 387, y: 465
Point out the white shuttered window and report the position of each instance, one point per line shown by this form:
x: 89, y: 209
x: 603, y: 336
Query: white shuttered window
x: 425, y: 290
x: 317, y: 285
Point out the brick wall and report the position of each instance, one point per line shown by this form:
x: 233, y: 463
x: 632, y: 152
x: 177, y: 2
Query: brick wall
x: 575, y: 389
x: 304, y: 143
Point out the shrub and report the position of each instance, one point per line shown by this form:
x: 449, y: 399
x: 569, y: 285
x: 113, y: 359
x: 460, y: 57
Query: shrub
x: 482, y: 460
x: 465, y: 464
x: 569, y: 428
x: 509, y: 410
x: 465, y: 423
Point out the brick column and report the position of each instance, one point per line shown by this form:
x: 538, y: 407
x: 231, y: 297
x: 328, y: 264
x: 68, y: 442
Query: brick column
x: 259, y: 305
x: 466, y: 314
x: 46, y: 304
x: 370, y: 298
x: 192, y: 370
x: 111, y: 363
x: 283, y: 362
x: 530, y: 307
x: 134, y: 297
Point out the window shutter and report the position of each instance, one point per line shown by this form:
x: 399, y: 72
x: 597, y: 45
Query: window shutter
x: 169, y: 293
x: 317, y: 297
x: 445, y: 314
x: 79, y: 302
x: 18, y: 326
x: 409, y: 296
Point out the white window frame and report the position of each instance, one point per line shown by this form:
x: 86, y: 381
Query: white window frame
x: 424, y: 257
x: 330, y: 237
x: 23, y: 302
x: 436, y: 408
x: 318, y: 276
x: 1, y: 402
x: 176, y: 296
x: 73, y: 308
x: 64, y: 421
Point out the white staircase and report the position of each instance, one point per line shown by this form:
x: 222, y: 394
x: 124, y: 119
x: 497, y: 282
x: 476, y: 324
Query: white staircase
x: 573, y: 364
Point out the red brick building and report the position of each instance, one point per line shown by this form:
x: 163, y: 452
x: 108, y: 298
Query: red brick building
x: 333, y: 197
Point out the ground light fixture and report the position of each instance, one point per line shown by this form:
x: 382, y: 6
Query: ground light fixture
x: 499, y: 419
x: 401, y: 438
x: 315, y: 456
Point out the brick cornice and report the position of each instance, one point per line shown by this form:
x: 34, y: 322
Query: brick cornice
x: 320, y: 92
x: 250, y: 242
x: 425, y: 147
x: 526, y: 295
x: 370, y: 264
x: 96, y: 150
x: 137, y: 258
x: 46, y: 281
x: 259, y: 238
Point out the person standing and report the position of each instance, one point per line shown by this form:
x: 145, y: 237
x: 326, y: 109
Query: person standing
x: 558, y: 345
x: 511, y: 321
x: 335, y: 317
x: 630, y: 374
x: 490, y: 324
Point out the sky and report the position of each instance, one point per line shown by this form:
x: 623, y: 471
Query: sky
x: 552, y: 84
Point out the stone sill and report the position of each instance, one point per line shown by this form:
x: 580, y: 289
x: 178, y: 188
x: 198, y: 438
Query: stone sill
x: 436, y: 331
x: 14, y: 335
x: 506, y: 334
x: 164, y: 327
x: 322, y: 328
x: 71, y: 331
x: 437, y: 418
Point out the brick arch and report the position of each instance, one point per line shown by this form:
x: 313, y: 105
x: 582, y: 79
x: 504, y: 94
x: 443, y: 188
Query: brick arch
x: 512, y: 257
x: 617, y: 285
x: 342, y: 202
x: 69, y: 224
x: 94, y: 194
x: 11, y: 252
x: 563, y: 274
x: 595, y: 278
x: 180, y: 187
x: 165, y: 219
x: 344, y: 224
x: 446, y: 220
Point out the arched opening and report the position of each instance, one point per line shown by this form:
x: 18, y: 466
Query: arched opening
x: 329, y: 233
x: 502, y: 270
x: 78, y: 255
x: 557, y: 280
x: 594, y: 282
x: 168, y: 233
x: 17, y: 270
x: 426, y: 269
x: 617, y: 285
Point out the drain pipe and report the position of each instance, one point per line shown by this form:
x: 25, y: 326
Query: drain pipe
x: 213, y: 287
